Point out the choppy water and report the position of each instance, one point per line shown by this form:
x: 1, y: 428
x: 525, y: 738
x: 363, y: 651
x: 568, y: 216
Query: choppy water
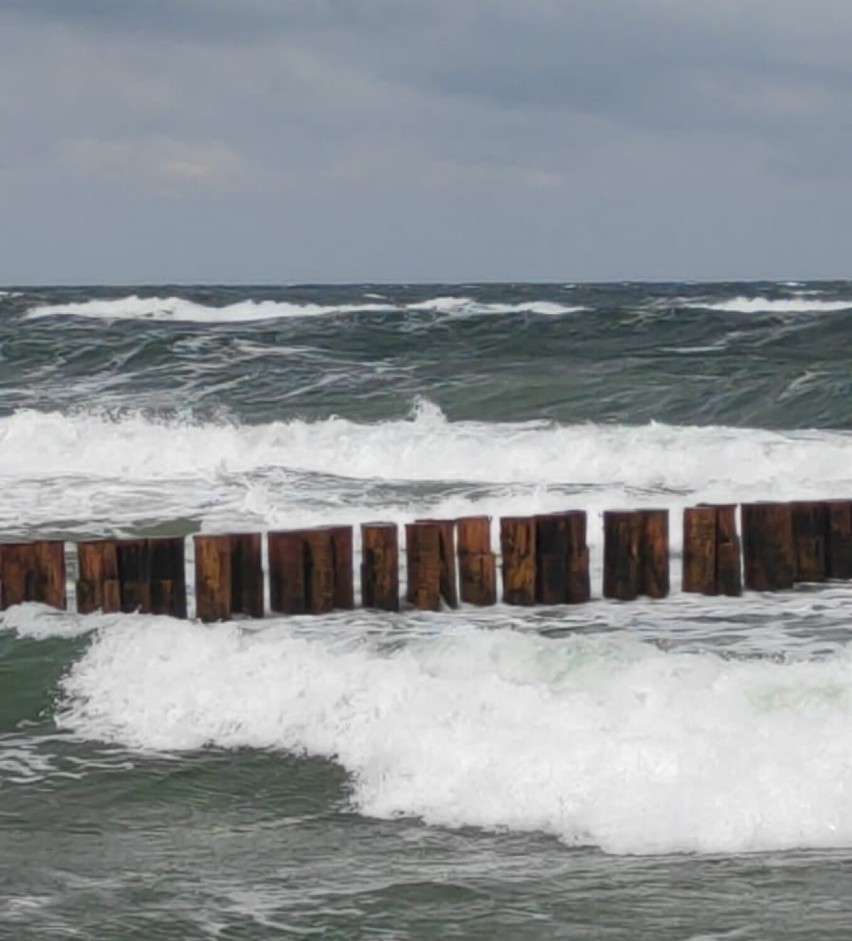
x: 671, y: 770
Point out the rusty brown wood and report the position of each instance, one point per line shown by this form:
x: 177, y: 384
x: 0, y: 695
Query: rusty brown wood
x: 768, y: 554
x: 246, y: 574
x: 212, y: 578
x: 33, y: 572
x: 97, y: 563
x: 653, y: 564
x: 517, y: 547
x: 447, y: 552
x: 287, y: 588
x: 167, y: 573
x: 423, y: 565
x: 477, y: 563
x: 839, y: 548
x: 344, y: 575
x: 318, y: 559
x: 622, y: 532
x: 810, y: 538
x: 380, y: 566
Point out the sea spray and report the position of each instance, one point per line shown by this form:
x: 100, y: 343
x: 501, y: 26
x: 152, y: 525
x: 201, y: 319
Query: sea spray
x: 600, y: 740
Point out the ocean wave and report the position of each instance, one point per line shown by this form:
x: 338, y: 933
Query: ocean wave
x: 599, y: 740
x: 765, y: 305
x: 249, y: 311
x: 180, y: 309
x: 112, y: 470
x: 423, y: 447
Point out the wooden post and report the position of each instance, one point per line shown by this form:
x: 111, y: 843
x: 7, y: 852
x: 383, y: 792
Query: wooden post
x: 477, y: 563
x: 729, y: 579
x: 380, y: 566
x: 562, y: 558
x: 423, y: 564
x: 810, y: 532
x: 517, y: 546
x: 551, y: 558
x: 287, y: 589
x: 33, y: 572
x: 622, y: 533
x: 318, y: 560
x: 699, y: 550
x: 770, y: 562
x: 653, y: 574
x: 16, y: 573
x: 212, y: 578
x: 134, y: 575
x: 246, y: 574
x: 578, y: 585
x: 711, y: 550
x: 447, y: 560
x: 168, y: 576
x: 97, y: 585
x: 344, y: 586
x: 839, y: 538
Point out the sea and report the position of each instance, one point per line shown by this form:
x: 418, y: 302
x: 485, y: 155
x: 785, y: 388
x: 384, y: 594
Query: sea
x: 675, y: 770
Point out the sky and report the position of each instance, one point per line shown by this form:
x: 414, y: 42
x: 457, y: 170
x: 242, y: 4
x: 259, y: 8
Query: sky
x: 278, y: 141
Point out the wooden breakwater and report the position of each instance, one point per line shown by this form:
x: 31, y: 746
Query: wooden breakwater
x: 543, y: 560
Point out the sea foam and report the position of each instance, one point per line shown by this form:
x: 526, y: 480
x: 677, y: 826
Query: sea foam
x: 250, y: 311
x: 97, y: 467
x: 599, y: 740
x: 761, y: 305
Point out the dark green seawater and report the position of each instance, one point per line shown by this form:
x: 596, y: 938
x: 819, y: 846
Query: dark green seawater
x: 672, y: 770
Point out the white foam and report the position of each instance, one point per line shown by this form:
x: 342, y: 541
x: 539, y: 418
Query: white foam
x: 467, y: 306
x: 97, y: 468
x: 599, y: 740
x: 249, y: 311
x: 179, y: 309
x: 40, y: 622
x: 758, y: 305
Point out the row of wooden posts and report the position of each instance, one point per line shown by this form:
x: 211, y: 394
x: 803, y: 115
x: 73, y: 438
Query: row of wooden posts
x: 544, y: 560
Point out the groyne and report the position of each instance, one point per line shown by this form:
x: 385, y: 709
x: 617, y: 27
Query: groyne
x: 542, y: 560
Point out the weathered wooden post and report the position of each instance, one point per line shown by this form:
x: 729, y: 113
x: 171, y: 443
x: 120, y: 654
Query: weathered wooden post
x: 477, y: 563
x: 653, y: 565
x: 551, y: 558
x: 246, y: 574
x: 839, y: 539
x: 517, y: 546
x: 380, y: 566
x: 578, y: 584
x: 33, y: 572
x: 97, y: 584
x: 622, y: 533
x: 134, y: 575
x: 212, y: 577
x: 447, y: 560
x: 711, y: 550
x: 729, y: 578
x: 562, y: 558
x: 318, y: 559
x: 287, y: 589
x: 344, y: 587
x: 168, y: 576
x: 699, y: 550
x: 423, y: 565
x: 769, y: 559
x: 810, y: 536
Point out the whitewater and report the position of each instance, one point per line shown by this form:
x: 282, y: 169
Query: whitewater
x: 367, y: 768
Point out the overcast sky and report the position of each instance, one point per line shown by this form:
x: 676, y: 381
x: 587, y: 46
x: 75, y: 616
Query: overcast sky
x: 352, y: 140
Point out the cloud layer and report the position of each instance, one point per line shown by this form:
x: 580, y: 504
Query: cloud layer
x: 405, y: 140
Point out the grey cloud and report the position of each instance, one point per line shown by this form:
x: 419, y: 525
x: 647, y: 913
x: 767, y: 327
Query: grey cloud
x: 359, y: 139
